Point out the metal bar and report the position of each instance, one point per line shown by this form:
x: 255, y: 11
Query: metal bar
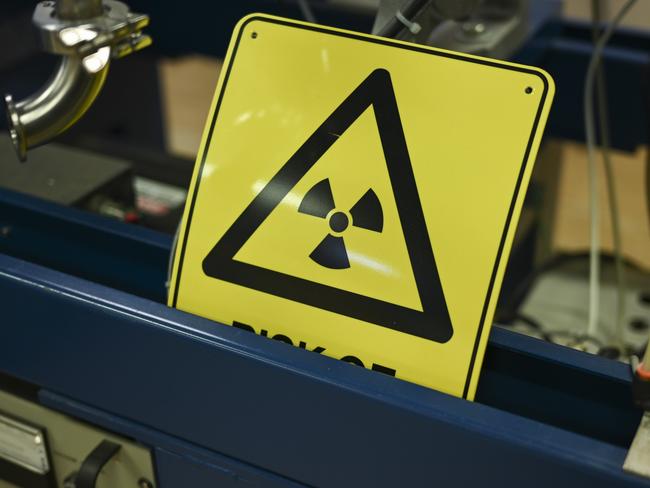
x: 89, y: 246
x: 178, y: 463
x: 78, y: 9
x: 135, y: 260
x: 288, y: 411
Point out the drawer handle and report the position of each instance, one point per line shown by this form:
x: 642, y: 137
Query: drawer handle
x: 93, y: 464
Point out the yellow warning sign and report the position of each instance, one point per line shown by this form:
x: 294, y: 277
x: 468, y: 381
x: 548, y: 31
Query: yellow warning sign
x: 357, y: 196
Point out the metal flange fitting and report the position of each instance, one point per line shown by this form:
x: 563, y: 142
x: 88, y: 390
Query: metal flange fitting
x: 87, y: 34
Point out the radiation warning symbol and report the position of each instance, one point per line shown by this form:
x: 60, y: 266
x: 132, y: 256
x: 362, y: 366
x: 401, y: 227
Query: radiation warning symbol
x: 357, y: 197
x: 433, y: 321
x: 366, y: 214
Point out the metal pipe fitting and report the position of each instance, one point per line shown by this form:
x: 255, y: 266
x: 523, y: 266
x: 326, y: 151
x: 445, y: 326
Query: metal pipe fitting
x: 76, y: 9
x: 87, y: 34
x: 56, y: 106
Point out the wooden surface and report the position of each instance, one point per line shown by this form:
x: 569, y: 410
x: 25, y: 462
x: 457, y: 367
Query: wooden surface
x: 188, y: 84
x: 571, y: 230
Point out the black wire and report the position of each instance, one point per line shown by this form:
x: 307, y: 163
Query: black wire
x: 526, y: 319
x: 509, y: 313
x: 511, y: 304
x: 576, y: 337
x: 571, y: 338
x: 518, y: 316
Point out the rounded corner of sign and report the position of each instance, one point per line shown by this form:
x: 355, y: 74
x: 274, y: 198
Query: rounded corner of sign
x: 547, y: 79
x: 247, y: 19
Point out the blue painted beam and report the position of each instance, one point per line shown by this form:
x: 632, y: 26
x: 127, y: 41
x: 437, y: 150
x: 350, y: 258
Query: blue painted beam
x: 293, y: 413
x: 128, y: 257
x: 177, y: 462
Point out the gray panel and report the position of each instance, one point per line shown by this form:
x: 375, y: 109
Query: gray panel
x: 70, y: 441
x: 57, y: 173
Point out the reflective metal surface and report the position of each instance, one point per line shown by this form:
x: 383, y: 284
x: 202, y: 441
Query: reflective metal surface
x: 75, y: 9
x: 492, y: 28
x: 55, y: 107
x: 87, y: 34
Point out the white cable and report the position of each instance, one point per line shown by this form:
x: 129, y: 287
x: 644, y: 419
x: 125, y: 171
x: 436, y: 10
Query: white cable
x: 614, y: 214
x: 307, y: 11
x: 413, y: 27
x: 619, y: 264
x: 594, y: 258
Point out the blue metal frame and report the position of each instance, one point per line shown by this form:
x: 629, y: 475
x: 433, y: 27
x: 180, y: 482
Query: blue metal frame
x: 178, y: 382
x: 126, y: 257
x: 135, y: 260
x: 84, y: 322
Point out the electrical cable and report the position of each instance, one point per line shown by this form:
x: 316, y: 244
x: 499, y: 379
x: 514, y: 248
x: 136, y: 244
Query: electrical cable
x: 508, y: 309
x: 647, y: 177
x: 394, y: 26
x: 602, y: 110
x: 594, y: 248
x: 646, y: 355
x: 307, y: 11
x: 563, y: 337
x: 647, y: 168
x: 511, y: 302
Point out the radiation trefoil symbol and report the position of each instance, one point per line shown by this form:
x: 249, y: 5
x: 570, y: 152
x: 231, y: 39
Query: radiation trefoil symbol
x: 366, y: 214
x: 432, y: 320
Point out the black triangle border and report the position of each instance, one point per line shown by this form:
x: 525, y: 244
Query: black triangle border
x: 397, y: 45
x: 433, y: 322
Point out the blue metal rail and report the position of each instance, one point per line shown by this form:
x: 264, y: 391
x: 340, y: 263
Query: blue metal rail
x: 247, y: 404
x: 126, y: 257
x: 82, y: 319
